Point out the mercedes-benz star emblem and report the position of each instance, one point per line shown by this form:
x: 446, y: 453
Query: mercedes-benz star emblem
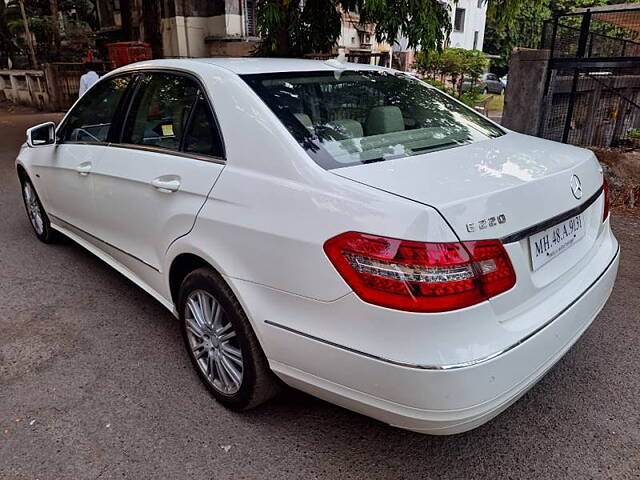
x: 576, y: 187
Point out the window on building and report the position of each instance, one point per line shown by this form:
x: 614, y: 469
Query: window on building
x: 475, y: 39
x: 458, y: 22
x: 250, y: 18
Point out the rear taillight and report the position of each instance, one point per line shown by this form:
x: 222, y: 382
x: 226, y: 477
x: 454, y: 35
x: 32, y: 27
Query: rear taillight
x: 605, y: 189
x: 420, y: 276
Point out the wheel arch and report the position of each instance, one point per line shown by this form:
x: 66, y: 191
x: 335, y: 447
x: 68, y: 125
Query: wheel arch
x: 181, y: 266
x: 186, y: 262
x: 22, y: 171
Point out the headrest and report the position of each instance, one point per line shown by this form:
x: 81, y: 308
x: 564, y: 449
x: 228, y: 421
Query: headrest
x: 384, y: 120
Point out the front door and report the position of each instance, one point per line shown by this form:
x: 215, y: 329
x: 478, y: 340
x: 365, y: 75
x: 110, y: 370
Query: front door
x: 81, y: 141
x: 150, y: 186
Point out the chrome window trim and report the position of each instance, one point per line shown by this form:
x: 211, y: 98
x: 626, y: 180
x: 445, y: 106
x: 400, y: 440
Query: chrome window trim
x: 452, y: 366
x: 166, y: 151
x: 151, y: 148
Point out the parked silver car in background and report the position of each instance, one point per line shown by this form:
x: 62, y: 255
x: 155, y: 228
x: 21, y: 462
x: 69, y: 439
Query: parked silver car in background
x: 485, y: 83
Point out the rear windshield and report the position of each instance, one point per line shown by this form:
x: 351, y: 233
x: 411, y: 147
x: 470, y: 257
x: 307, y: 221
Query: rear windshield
x: 348, y: 118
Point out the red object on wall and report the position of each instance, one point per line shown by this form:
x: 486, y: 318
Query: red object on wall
x: 124, y: 53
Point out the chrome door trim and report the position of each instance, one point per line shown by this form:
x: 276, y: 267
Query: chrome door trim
x: 66, y: 224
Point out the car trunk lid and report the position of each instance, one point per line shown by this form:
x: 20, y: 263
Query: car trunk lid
x: 492, y: 188
x: 510, y: 188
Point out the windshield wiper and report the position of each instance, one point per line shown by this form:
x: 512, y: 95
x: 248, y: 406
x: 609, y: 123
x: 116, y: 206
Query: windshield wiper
x: 374, y: 160
x: 439, y: 146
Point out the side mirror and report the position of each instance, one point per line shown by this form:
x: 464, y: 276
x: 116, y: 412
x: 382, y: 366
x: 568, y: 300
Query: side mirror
x: 40, y: 135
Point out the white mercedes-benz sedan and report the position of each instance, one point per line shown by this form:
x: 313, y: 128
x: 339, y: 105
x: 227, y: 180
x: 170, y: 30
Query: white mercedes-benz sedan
x: 345, y: 229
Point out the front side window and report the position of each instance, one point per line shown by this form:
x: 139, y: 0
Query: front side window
x: 355, y: 117
x: 90, y: 120
x: 160, y: 111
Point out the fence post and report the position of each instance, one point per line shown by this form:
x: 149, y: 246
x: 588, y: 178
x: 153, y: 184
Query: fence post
x: 51, y: 82
x: 582, y: 45
x: 552, y: 47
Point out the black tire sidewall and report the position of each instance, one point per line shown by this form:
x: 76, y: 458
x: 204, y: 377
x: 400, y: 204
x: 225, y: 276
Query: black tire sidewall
x: 207, y: 280
x: 47, y: 234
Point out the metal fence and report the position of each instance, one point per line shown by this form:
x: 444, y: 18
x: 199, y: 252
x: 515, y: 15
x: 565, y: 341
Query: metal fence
x: 592, y: 89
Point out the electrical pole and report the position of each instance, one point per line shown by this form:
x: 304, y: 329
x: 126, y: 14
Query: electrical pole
x: 27, y: 32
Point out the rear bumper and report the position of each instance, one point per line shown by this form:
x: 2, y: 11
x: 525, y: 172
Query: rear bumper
x: 419, y: 397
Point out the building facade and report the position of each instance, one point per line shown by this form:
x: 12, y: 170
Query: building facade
x: 183, y: 28
x: 201, y: 28
x: 357, y: 42
x: 468, y: 19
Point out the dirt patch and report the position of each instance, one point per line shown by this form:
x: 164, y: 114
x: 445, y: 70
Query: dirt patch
x: 622, y: 169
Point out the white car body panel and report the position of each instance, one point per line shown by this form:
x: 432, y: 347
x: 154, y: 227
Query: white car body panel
x: 59, y: 164
x: 262, y: 217
x: 131, y: 214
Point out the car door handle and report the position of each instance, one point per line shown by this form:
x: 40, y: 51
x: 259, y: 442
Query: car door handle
x: 166, y: 183
x: 84, y: 168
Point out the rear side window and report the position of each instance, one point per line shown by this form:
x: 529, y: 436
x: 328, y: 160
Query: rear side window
x: 90, y: 120
x: 202, y: 136
x: 160, y: 111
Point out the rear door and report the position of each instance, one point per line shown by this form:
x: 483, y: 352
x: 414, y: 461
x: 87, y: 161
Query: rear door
x: 151, y: 185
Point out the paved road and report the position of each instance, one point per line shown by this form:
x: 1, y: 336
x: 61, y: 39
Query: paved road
x: 94, y: 383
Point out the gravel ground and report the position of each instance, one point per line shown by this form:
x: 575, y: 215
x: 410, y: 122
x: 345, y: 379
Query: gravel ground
x: 94, y: 383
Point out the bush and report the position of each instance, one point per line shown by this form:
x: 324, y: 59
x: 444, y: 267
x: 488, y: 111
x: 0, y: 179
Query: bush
x: 634, y: 134
x: 454, y: 63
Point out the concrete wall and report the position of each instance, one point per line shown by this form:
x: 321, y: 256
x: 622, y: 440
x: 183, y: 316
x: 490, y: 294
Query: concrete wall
x: 523, y: 103
x: 26, y: 87
x: 186, y: 36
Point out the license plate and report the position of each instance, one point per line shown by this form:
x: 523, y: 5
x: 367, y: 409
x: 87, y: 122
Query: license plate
x: 550, y: 243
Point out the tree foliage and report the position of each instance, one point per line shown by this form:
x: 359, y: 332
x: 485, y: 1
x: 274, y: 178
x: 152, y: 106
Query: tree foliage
x: 7, y: 46
x: 294, y: 27
x: 454, y: 64
x: 76, y: 18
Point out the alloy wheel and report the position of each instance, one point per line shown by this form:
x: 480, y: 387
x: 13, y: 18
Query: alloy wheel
x: 213, y: 342
x: 33, y: 208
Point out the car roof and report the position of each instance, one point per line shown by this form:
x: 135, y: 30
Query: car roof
x: 253, y: 65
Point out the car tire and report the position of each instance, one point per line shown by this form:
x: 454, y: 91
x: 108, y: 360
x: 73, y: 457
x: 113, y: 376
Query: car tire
x: 204, y: 294
x: 36, y: 213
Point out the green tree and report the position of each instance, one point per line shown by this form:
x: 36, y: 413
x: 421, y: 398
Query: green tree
x: 291, y: 28
x: 455, y: 64
x: 44, y: 17
x: 7, y: 46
